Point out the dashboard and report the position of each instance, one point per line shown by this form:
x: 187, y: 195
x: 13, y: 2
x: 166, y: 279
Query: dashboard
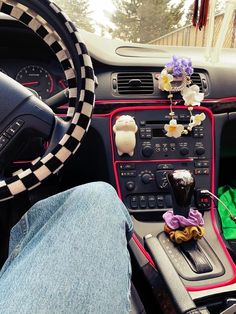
x: 140, y: 179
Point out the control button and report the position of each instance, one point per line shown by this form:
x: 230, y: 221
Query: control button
x: 161, y: 179
x: 147, y: 151
x: 130, y: 185
x: 202, y: 171
x: 7, y: 135
x: 146, y: 178
x: 184, y: 151
x: 128, y: 173
x: 15, y: 127
x: 142, y: 123
x: 3, y: 141
x: 205, y: 164
x: 198, y: 171
x: 151, y: 201
x: 206, y: 171
x: 198, y: 164
x: 165, y: 167
x: 114, y: 84
x: 160, y: 201
x: 127, y: 167
x: 200, y: 151
x: 168, y: 201
x: 134, y: 202
x: 142, y: 201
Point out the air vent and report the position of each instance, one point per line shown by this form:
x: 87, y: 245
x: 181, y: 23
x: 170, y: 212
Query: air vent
x: 135, y: 83
x: 197, y: 80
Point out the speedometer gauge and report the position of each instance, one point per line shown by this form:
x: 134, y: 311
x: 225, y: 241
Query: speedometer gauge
x: 36, y: 78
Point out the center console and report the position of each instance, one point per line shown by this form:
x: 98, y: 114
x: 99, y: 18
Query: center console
x: 141, y: 181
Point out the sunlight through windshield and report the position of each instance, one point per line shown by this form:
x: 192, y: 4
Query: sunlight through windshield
x: 157, y: 22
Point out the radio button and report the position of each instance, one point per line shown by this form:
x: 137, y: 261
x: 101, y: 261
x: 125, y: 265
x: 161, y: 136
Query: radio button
x: 184, y: 151
x: 200, y: 151
x: 147, y: 151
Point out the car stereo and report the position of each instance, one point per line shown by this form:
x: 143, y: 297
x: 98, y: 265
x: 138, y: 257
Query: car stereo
x: 141, y: 178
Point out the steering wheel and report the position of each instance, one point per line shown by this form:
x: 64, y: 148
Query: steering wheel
x: 23, y: 113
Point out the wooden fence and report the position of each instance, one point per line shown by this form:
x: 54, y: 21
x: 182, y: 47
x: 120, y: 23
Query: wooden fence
x: 191, y: 36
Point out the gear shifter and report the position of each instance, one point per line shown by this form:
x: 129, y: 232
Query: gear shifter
x: 182, y: 185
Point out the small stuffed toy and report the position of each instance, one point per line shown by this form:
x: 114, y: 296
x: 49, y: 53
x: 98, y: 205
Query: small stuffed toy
x: 125, y: 129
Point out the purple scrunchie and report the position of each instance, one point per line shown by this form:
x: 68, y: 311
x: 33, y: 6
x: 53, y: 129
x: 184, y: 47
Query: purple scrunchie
x: 178, y: 221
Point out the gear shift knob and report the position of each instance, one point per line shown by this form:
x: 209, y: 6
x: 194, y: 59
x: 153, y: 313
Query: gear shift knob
x: 182, y: 185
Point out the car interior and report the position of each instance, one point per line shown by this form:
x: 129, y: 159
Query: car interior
x: 197, y: 276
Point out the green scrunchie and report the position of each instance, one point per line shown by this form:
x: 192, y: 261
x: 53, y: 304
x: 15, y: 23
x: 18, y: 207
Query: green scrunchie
x: 228, y: 196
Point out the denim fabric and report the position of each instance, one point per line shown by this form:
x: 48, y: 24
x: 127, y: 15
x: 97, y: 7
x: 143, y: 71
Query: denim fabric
x: 68, y: 254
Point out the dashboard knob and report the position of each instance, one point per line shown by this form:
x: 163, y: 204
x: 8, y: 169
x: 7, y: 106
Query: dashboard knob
x: 184, y: 151
x: 200, y: 151
x: 146, y: 178
x: 147, y: 151
x: 130, y: 185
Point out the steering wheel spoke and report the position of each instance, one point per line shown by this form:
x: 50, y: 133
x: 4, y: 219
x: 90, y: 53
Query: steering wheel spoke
x: 18, y: 106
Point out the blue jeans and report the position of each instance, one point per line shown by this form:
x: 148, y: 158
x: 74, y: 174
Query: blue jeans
x: 68, y: 254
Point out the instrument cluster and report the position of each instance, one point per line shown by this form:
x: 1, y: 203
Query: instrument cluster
x: 45, y: 79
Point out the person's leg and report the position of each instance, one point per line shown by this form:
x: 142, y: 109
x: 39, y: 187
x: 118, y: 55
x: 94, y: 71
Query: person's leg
x: 72, y: 256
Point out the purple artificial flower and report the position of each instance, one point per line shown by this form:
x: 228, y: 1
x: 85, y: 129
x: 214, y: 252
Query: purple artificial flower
x: 179, y: 65
x: 189, y: 71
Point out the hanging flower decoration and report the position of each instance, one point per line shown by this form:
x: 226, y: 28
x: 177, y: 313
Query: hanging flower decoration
x: 173, y: 129
x: 192, y: 96
x: 196, y: 120
x: 175, y: 77
x: 165, y: 80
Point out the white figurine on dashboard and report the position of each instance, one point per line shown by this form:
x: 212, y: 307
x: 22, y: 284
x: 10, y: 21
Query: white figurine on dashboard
x: 125, y: 129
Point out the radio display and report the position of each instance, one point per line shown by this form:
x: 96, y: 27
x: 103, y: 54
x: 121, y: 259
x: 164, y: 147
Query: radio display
x: 158, y: 132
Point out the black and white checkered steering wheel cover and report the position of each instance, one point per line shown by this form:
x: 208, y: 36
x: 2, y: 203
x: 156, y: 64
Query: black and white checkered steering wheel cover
x: 80, y: 106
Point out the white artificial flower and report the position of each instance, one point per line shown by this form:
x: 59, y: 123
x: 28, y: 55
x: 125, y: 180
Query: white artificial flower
x: 197, y: 119
x: 191, y: 95
x: 173, y: 129
x: 164, y: 80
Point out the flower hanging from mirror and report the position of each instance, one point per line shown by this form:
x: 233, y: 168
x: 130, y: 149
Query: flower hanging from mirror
x: 175, y: 77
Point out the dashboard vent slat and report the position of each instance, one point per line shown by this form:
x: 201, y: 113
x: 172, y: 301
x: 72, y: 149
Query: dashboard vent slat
x: 135, y: 83
x: 196, y: 79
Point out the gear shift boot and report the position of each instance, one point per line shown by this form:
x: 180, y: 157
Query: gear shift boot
x: 194, y: 260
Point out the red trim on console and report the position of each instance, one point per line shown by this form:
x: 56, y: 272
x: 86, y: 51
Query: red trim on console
x: 189, y: 288
x: 142, y: 249
x: 220, y: 100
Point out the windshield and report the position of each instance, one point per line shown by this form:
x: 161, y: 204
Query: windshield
x: 157, y: 22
